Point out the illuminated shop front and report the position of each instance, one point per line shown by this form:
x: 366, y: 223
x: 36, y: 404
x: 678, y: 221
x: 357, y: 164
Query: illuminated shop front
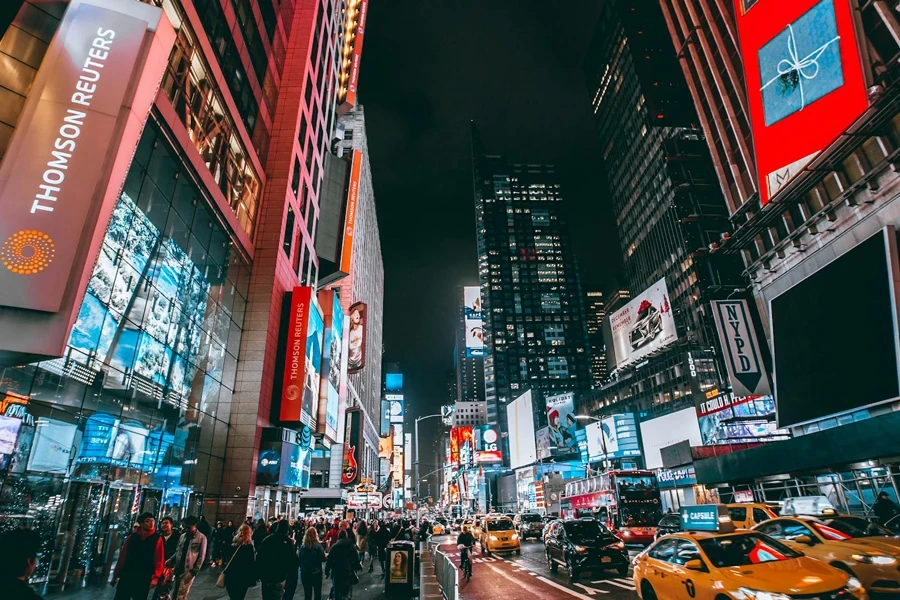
x: 135, y: 415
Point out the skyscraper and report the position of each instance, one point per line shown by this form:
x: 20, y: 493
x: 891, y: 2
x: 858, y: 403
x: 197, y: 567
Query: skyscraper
x: 533, y: 305
x: 595, y: 314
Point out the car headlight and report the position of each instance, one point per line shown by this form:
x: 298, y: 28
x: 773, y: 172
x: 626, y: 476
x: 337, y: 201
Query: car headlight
x: 616, y: 546
x: 874, y: 559
x: 580, y: 549
x: 854, y: 585
x: 760, y: 595
x: 515, y: 536
x: 493, y: 538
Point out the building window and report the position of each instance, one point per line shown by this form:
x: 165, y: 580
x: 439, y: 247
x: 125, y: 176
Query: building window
x: 288, y: 232
x: 295, y: 178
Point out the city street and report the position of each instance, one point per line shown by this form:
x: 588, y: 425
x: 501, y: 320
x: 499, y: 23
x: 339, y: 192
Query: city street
x: 529, y: 576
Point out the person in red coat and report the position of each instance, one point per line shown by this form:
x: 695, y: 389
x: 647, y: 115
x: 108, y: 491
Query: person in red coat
x: 140, y: 561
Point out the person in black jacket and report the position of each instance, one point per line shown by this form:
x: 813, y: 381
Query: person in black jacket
x: 240, y: 570
x: 312, y: 555
x: 342, y: 564
x: 275, y: 558
x: 140, y: 562
x: 260, y: 532
x: 18, y: 558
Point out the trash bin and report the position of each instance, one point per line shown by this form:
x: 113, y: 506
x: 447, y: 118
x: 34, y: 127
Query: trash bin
x: 401, y: 560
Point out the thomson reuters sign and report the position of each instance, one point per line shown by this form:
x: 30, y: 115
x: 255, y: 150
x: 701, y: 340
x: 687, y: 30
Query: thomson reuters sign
x: 70, y: 151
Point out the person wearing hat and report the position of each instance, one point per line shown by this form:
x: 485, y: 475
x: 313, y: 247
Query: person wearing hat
x: 189, y: 557
x: 140, y: 561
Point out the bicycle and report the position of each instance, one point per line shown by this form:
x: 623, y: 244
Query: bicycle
x: 465, y: 563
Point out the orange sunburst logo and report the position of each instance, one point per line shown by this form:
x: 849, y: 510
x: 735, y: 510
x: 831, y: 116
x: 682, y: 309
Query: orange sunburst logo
x: 27, y: 252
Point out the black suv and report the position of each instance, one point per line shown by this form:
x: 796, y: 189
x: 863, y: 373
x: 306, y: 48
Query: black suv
x: 584, y: 544
x: 529, y: 525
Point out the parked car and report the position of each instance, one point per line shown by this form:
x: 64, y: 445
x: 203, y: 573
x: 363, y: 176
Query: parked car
x: 529, y: 525
x: 585, y: 545
x: 670, y: 523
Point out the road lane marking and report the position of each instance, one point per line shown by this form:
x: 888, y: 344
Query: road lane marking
x: 568, y: 591
x: 536, y: 593
x: 624, y: 586
x: 589, y: 590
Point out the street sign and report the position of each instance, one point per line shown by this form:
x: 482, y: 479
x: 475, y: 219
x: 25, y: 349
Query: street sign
x: 363, y: 500
x: 740, y: 348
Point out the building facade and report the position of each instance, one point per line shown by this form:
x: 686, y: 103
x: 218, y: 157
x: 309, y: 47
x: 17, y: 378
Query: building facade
x: 151, y: 383
x: 533, y: 305
x: 468, y: 362
x: 595, y: 313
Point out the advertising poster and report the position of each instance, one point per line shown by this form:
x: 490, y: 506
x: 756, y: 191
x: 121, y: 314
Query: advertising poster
x: 474, y: 321
x: 385, y: 420
x: 644, y: 325
x: 353, y: 448
x: 562, y: 423
x: 330, y: 385
x: 804, y: 73
x: 618, y: 433
x: 407, y: 451
x: 385, y: 447
x: 666, y: 431
x: 520, y: 416
x: 356, y: 351
x: 396, y: 407
x: 447, y: 411
x: 461, y: 445
x: 315, y: 333
x: 9, y: 432
x: 487, y: 445
x: 729, y: 419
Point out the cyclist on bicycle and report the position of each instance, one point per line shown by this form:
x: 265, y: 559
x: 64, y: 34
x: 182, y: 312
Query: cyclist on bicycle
x: 465, y: 542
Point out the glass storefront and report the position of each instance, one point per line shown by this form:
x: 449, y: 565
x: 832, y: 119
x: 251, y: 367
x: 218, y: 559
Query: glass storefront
x: 135, y: 415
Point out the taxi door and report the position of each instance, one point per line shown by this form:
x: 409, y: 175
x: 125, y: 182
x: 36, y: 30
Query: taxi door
x: 692, y: 585
x: 670, y: 580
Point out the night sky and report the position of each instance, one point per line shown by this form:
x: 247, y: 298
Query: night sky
x: 428, y: 67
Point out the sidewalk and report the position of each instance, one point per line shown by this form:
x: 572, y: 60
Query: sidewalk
x: 370, y: 587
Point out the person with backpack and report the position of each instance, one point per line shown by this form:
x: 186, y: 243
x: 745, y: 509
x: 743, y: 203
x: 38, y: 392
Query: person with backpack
x: 342, y: 565
x: 312, y: 555
x: 140, y: 561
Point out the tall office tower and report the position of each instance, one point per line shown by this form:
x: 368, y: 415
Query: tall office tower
x: 665, y: 196
x: 616, y: 300
x: 181, y: 205
x: 706, y: 41
x: 595, y: 314
x: 532, y: 302
x: 469, y: 359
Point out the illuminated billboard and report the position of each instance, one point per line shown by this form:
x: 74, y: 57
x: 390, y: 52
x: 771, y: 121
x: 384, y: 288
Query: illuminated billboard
x: 461, y: 445
x: 804, y: 73
x: 730, y: 419
x: 353, y: 448
x: 66, y: 163
x: 488, y: 449
x: 520, y: 416
x: 393, y: 382
x: 614, y: 437
x: 356, y: 350
x: 396, y: 407
x: 562, y: 423
x: 644, y: 325
x: 351, y: 53
x: 673, y: 428
x: 330, y: 384
x: 473, y: 321
x: 385, y: 447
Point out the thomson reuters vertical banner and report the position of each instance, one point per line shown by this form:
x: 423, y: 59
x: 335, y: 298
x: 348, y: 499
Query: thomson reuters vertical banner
x: 295, y: 356
x: 67, y: 161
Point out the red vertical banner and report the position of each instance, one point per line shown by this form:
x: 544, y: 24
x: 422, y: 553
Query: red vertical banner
x: 356, y: 56
x: 350, y: 213
x: 295, y: 356
x: 805, y: 82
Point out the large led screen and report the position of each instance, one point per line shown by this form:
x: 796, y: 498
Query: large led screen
x: 520, y: 417
x: 473, y: 321
x: 644, y: 325
x: 657, y: 434
x: 617, y: 435
x: 832, y: 358
x: 562, y: 424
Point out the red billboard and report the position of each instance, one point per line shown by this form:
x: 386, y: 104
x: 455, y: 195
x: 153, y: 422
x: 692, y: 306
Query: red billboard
x: 462, y: 445
x: 353, y: 448
x: 805, y: 82
x: 350, y: 212
x: 351, y: 53
x: 295, y: 355
x: 356, y: 344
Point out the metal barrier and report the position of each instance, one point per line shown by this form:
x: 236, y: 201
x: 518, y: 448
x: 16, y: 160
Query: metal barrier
x: 447, y: 574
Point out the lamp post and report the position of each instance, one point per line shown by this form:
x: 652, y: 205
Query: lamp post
x: 416, y: 465
x: 602, y: 437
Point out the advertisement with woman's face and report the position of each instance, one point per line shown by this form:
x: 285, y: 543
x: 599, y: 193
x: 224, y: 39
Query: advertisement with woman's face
x: 356, y: 350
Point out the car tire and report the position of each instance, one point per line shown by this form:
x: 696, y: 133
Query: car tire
x: 553, y: 566
x: 647, y: 591
x: 572, y: 570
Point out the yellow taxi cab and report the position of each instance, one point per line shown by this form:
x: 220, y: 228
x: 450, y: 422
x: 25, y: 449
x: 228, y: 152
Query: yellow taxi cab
x: 711, y: 560
x: 855, y: 545
x: 745, y: 515
x: 499, y: 535
x: 438, y: 529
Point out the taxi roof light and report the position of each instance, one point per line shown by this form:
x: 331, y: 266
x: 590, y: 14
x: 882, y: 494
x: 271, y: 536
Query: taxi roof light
x: 706, y: 517
x: 809, y: 506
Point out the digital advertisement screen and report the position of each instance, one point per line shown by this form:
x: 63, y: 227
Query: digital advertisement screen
x: 644, y: 325
x: 665, y: 431
x: 396, y: 407
x: 473, y: 320
x: 9, y: 432
x: 618, y: 433
x: 356, y: 352
x: 804, y: 73
x: 315, y: 333
x: 562, y: 423
x: 329, y: 388
x: 462, y: 445
x: 487, y: 444
x: 393, y: 382
x: 740, y: 419
x: 809, y: 383
x: 520, y: 416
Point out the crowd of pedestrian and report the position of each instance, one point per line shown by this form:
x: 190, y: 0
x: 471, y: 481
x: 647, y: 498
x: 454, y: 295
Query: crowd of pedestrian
x: 279, y: 554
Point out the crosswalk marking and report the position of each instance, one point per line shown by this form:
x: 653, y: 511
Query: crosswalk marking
x: 626, y: 586
x: 589, y: 590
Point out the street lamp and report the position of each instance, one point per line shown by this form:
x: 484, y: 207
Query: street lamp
x: 602, y: 437
x: 416, y: 465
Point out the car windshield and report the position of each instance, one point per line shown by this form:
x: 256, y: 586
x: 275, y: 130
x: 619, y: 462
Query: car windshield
x: 854, y: 527
x: 745, y: 549
x: 639, y: 516
x: 531, y: 518
x: 585, y: 530
x: 500, y: 525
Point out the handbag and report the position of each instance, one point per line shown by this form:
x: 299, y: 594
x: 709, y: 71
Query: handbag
x: 220, y: 580
x: 354, y: 578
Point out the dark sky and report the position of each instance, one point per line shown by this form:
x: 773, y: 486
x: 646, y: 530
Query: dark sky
x: 428, y: 67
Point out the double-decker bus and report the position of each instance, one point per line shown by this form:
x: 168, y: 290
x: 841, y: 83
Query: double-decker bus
x: 627, y: 502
